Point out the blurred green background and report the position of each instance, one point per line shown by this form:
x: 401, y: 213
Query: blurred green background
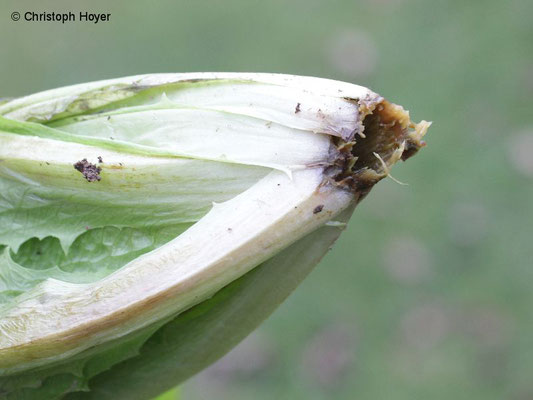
x: 428, y: 294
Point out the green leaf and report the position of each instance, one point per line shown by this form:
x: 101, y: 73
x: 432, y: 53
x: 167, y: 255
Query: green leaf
x: 41, y: 194
x: 94, y: 254
x: 172, y: 394
x: 16, y: 279
x: 162, y: 356
x: 40, y: 254
x: 200, y: 336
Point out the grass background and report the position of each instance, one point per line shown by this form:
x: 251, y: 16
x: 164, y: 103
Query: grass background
x: 428, y: 293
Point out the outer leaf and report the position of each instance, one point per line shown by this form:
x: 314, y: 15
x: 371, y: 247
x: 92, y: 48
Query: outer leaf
x: 230, y: 240
x: 41, y: 194
x: 205, y: 333
x: 273, y: 97
x: 185, y: 345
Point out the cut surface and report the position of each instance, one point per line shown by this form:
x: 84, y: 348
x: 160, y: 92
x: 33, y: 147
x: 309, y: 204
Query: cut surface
x: 388, y: 136
x: 386, y: 130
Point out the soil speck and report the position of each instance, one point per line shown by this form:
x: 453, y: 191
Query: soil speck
x: 89, y: 171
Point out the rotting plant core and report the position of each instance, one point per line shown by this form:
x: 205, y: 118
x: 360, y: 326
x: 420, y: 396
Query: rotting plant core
x: 387, y: 135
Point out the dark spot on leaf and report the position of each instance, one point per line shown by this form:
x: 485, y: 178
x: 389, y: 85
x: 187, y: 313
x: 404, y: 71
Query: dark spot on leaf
x: 318, y: 208
x: 89, y: 171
